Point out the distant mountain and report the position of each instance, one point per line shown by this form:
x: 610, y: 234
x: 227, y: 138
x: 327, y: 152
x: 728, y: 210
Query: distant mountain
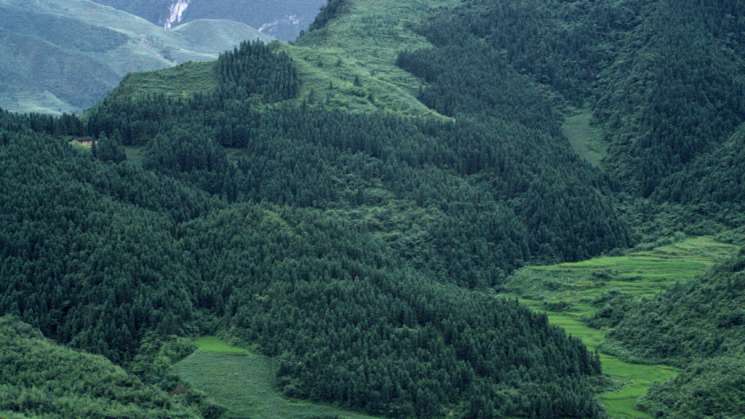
x: 283, y: 19
x: 64, y: 55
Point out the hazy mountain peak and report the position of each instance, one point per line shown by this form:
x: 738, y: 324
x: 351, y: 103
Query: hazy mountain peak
x: 65, y: 55
x: 282, y: 19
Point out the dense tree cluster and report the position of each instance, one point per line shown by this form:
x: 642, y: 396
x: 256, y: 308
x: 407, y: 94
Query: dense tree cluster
x: 79, y: 255
x: 556, y: 43
x: 255, y: 69
x: 715, y: 178
x: 109, y: 149
x: 664, y: 78
x: 675, y: 90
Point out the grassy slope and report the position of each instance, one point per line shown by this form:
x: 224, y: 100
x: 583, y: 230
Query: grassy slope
x: 243, y: 382
x: 364, y: 43
x: 566, y: 293
x: 586, y: 139
x: 349, y: 65
x: 180, y: 81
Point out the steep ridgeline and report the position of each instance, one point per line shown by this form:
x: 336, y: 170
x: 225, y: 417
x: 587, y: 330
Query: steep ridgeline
x: 664, y: 78
x: 65, y: 55
x: 282, y: 19
x: 699, y: 325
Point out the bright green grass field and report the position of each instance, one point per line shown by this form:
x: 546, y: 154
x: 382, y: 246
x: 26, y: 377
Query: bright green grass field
x: 586, y: 139
x: 243, y: 382
x: 364, y: 43
x: 184, y: 80
x: 641, y: 274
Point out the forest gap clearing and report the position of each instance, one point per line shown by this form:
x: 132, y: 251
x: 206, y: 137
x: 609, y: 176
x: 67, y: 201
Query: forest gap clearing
x: 244, y: 382
x: 586, y: 139
x: 569, y: 293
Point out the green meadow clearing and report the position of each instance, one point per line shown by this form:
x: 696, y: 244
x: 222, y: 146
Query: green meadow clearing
x: 567, y: 293
x: 243, y: 382
x: 586, y: 139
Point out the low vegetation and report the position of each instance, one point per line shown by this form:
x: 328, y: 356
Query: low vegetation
x: 587, y: 297
x: 585, y: 136
x: 698, y: 325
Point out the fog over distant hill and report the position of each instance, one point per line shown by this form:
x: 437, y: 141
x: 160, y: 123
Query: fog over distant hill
x: 283, y: 19
x: 65, y: 55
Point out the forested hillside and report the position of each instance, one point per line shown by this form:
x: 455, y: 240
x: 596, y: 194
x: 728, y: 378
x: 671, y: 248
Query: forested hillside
x: 675, y: 90
x: 349, y: 206
x: 664, y: 78
x: 358, y: 239
x: 96, y: 256
x: 528, y: 183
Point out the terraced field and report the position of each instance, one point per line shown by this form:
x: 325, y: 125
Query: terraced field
x: 569, y: 292
x: 243, y: 382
